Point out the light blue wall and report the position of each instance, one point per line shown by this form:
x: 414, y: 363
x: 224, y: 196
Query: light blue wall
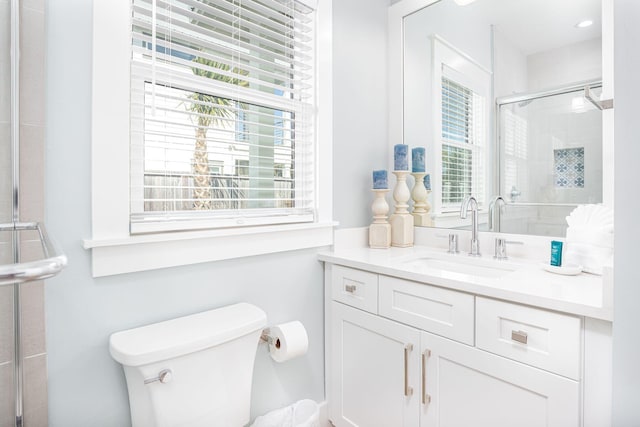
x: 626, y: 298
x: 360, y: 142
x: 86, y: 387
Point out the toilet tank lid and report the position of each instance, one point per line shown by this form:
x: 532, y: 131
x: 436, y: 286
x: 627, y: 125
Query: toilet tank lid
x: 184, y: 335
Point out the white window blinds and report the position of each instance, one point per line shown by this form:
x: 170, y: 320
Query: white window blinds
x: 463, y: 134
x: 222, y: 111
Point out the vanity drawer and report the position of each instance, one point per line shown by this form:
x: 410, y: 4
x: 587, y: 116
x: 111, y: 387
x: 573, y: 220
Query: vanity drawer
x: 356, y: 288
x: 437, y: 310
x: 540, y: 338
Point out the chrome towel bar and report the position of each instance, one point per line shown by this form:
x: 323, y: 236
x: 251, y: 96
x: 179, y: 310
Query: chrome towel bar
x: 52, y: 263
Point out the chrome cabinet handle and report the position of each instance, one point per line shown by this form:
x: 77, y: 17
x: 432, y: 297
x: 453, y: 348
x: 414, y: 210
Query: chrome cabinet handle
x: 408, y: 391
x: 426, y: 398
x: 350, y: 288
x: 519, y: 336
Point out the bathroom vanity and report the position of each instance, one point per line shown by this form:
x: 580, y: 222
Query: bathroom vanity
x: 419, y: 337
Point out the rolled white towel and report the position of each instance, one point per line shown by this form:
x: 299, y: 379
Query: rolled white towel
x: 591, y: 216
x: 591, y: 258
x: 595, y: 236
x: 589, y: 237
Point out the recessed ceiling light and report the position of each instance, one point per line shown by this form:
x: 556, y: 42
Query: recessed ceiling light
x: 463, y: 2
x: 584, y: 24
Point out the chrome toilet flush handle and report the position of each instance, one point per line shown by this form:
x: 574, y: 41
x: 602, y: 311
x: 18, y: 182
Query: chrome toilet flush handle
x: 163, y: 377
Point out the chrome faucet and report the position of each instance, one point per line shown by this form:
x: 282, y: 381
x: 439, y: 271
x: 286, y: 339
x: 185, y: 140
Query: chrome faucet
x: 466, y: 202
x: 495, y: 216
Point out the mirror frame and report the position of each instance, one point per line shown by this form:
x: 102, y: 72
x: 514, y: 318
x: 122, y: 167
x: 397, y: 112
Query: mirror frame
x: 395, y: 45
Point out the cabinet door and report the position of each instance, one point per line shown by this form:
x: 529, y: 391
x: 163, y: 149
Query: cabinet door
x: 471, y: 387
x: 374, y: 370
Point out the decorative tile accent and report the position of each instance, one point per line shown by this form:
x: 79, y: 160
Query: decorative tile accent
x: 568, y: 167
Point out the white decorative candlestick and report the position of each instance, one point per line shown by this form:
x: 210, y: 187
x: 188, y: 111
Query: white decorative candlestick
x: 427, y: 206
x: 380, y: 229
x: 421, y: 207
x: 401, y: 220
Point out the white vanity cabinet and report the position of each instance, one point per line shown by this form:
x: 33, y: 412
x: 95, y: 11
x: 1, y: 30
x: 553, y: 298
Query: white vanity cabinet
x: 374, y: 365
x: 466, y: 386
x: 422, y: 355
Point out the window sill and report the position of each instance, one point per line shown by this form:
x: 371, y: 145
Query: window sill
x: 153, y: 251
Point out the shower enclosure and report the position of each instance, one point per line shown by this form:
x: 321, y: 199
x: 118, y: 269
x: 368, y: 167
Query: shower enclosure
x: 26, y: 252
x: 550, y: 157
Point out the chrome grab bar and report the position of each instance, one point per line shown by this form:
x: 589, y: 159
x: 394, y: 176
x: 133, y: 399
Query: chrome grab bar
x: 52, y: 263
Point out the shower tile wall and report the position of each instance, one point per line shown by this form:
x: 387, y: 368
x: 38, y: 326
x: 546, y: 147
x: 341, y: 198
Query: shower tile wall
x: 32, y: 122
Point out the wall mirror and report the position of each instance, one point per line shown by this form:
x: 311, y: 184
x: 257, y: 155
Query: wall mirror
x: 495, y: 92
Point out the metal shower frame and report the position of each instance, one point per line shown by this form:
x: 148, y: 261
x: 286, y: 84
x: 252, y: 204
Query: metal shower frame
x: 54, y: 260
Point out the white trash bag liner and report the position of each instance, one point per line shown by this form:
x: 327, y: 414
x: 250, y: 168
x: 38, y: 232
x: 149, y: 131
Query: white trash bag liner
x: 303, y: 413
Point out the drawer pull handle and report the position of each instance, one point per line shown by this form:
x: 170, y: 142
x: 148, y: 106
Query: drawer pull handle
x: 350, y: 288
x: 426, y: 398
x: 519, y: 336
x: 408, y: 391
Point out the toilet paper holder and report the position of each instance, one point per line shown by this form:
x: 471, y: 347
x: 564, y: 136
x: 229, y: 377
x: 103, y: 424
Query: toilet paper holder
x: 285, y: 341
x: 268, y: 339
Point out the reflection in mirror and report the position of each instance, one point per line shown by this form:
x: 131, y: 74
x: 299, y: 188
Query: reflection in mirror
x: 458, y: 61
x: 550, y: 159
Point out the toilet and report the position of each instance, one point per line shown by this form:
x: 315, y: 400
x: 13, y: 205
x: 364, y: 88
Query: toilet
x: 191, y: 371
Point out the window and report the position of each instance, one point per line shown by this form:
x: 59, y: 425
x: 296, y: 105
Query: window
x: 242, y: 168
x: 461, y: 104
x: 226, y: 82
x: 145, y: 125
x: 463, y: 118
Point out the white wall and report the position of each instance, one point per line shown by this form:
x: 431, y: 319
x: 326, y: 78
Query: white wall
x: 569, y: 64
x: 86, y: 386
x: 360, y: 106
x: 626, y: 346
x: 509, y: 66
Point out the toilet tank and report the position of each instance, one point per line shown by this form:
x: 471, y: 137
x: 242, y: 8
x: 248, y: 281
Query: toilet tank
x: 191, y: 371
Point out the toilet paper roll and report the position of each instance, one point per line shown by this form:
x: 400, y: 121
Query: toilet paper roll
x: 289, y: 340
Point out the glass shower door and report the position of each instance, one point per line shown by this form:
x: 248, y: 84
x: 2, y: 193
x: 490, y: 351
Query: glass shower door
x: 550, y: 159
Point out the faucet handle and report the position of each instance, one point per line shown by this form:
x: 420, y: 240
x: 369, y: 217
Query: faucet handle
x: 453, y: 242
x: 501, y: 247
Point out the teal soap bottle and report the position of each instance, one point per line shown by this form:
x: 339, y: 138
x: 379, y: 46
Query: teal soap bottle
x: 556, y: 253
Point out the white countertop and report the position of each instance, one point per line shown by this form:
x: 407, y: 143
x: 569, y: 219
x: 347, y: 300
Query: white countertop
x: 583, y: 294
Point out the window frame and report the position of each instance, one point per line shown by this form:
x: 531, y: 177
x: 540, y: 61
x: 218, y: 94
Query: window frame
x: 453, y: 64
x: 114, y: 249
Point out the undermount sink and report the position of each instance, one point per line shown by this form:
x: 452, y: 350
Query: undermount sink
x: 462, y: 265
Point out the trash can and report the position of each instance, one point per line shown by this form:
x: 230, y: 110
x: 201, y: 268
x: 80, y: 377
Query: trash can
x: 303, y: 413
